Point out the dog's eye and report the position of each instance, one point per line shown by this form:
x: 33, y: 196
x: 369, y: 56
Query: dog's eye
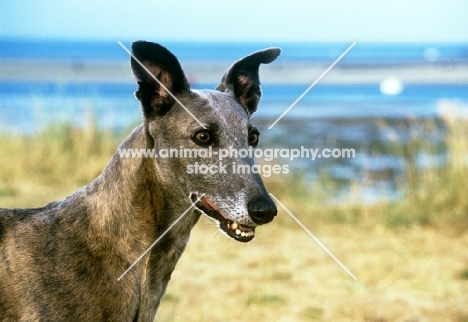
x: 203, y: 137
x: 253, y: 138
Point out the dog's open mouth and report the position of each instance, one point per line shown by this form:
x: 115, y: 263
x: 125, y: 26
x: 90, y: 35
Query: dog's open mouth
x: 237, y: 231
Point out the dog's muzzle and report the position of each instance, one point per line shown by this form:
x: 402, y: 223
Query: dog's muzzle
x: 261, y: 211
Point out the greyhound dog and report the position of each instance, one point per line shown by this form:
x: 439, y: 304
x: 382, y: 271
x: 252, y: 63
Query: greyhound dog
x: 62, y: 262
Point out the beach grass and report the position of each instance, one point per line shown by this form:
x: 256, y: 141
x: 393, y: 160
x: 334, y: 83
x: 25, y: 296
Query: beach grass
x: 409, y: 254
x: 51, y: 164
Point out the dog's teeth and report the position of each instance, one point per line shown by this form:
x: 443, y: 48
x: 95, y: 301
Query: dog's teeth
x: 238, y: 231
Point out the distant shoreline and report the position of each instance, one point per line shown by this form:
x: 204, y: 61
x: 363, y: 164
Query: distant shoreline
x: 207, y: 72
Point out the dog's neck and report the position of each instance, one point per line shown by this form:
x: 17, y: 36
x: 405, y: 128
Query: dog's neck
x: 125, y: 197
x: 127, y: 200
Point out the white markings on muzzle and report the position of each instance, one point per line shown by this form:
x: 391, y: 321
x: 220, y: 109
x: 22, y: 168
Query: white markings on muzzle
x: 235, y: 209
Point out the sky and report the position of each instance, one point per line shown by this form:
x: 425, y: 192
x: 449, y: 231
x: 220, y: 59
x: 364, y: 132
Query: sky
x: 243, y: 20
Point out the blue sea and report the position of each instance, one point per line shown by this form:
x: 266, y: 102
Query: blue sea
x: 362, y: 53
x: 333, y: 114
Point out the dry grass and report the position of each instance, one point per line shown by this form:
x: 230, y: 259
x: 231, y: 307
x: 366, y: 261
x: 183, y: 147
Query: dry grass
x: 404, y: 274
x: 410, y: 256
x: 38, y: 168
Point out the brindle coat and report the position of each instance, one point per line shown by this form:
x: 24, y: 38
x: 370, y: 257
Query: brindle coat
x: 61, y: 262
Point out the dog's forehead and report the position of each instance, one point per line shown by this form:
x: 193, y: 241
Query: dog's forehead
x: 222, y: 103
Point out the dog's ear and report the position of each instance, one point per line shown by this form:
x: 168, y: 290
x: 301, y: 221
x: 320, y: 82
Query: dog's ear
x: 161, y: 64
x: 242, y: 78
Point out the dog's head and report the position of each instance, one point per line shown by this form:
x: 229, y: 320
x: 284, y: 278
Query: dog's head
x: 204, y: 139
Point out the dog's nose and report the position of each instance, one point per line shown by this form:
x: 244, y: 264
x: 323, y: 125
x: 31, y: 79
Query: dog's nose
x: 262, y: 209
